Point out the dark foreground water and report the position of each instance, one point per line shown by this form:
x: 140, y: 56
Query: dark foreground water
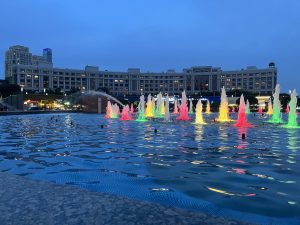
x: 208, y: 168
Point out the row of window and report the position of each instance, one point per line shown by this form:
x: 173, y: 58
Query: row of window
x: 248, y: 74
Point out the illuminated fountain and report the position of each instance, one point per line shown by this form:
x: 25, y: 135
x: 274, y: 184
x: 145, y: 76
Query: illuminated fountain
x: 141, y: 110
x: 163, y: 108
x: 248, y: 107
x: 208, y: 107
x: 292, y: 120
x: 287, y: 110
x: 199, y: 117
x: 175, y: 107
x: 276, y: 116
x: 149, y: 107
x: 223, y: 111
x: 131, y: 109
x: 126, y: 113
x: 167, y: 111
x: 183, y: 110
x: 109, y: 111
x: 115, y: 111
x: 233, y: 110
x: 270, y: 108
x: 242, y: 115
x: 191, y: 107
x: 260, y: 109
x: 159, y: 106
x: 153, y: 107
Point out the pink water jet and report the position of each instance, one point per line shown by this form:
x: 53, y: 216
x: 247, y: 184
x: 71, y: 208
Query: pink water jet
x: 242, y: 117
x: 183, y: 110
x: 131, y: 109
x: 126, y: 113
x: 233, y: 110
x: 287, y: 110
x: 260, y: 110
x: 175, y: 107
x: 109, y: 110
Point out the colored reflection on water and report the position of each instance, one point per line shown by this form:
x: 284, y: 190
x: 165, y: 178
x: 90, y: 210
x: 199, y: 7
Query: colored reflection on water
x: 209, y: 168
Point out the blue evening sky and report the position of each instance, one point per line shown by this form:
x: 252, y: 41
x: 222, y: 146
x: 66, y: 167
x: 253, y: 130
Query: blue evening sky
x: 156, y: 35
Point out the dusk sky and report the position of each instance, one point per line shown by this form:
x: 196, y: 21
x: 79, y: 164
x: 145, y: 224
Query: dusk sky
x: 157, y: 35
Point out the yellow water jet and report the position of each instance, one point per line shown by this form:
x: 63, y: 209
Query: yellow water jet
x: 223, y: 111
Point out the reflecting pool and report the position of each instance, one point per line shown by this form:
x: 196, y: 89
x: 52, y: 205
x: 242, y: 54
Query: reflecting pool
x: 201, y: 167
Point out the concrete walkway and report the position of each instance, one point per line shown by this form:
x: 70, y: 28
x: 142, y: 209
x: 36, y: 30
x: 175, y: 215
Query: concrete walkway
x: 30, y: 202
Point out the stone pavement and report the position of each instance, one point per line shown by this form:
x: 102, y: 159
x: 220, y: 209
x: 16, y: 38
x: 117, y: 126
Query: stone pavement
x: 24, y: 201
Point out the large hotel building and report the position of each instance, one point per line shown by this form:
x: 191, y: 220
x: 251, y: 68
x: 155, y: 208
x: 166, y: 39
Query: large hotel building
x: 37, y: 73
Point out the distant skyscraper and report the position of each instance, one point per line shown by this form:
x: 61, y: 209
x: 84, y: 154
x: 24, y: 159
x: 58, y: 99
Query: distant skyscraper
x: 47, y: 54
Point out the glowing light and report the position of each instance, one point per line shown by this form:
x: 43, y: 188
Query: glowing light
x: 287, y: 110
x: 223, y: 111
x: 219, y: 191
x: 233, y: 110
x: 242, y: 118
x: 292, y: 120
x: 153, y: 106
x: 125, y: 113
x: 159, y: 106
x: 229, y: 193
x: 260, y: 109
x: 239, y: 171
x: 111, y: 110
x: 149, y: 107
x: 141, y: 110
x: 183, y: 110
x: 248, y: 107
x: 270, y: 107
x: 115, y: 111
x: 208, y: 107
x: 276, y: 115
x: 163, y: 108
x: 199, y: 117
x: 108, y: 110
x: 131, y: 109
x: 176, y: 107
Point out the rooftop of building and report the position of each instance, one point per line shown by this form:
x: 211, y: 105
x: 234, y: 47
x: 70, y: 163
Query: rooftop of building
x: 90, y: 68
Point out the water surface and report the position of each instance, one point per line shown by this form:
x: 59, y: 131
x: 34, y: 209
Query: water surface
x: 208, y: 167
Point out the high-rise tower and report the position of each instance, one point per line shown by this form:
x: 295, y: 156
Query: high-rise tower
x: 47, y: 54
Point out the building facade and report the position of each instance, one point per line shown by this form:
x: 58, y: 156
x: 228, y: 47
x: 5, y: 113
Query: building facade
x: 37, y: 73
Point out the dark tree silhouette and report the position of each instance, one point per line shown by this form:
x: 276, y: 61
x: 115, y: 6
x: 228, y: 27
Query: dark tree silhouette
x: 9, y: 89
